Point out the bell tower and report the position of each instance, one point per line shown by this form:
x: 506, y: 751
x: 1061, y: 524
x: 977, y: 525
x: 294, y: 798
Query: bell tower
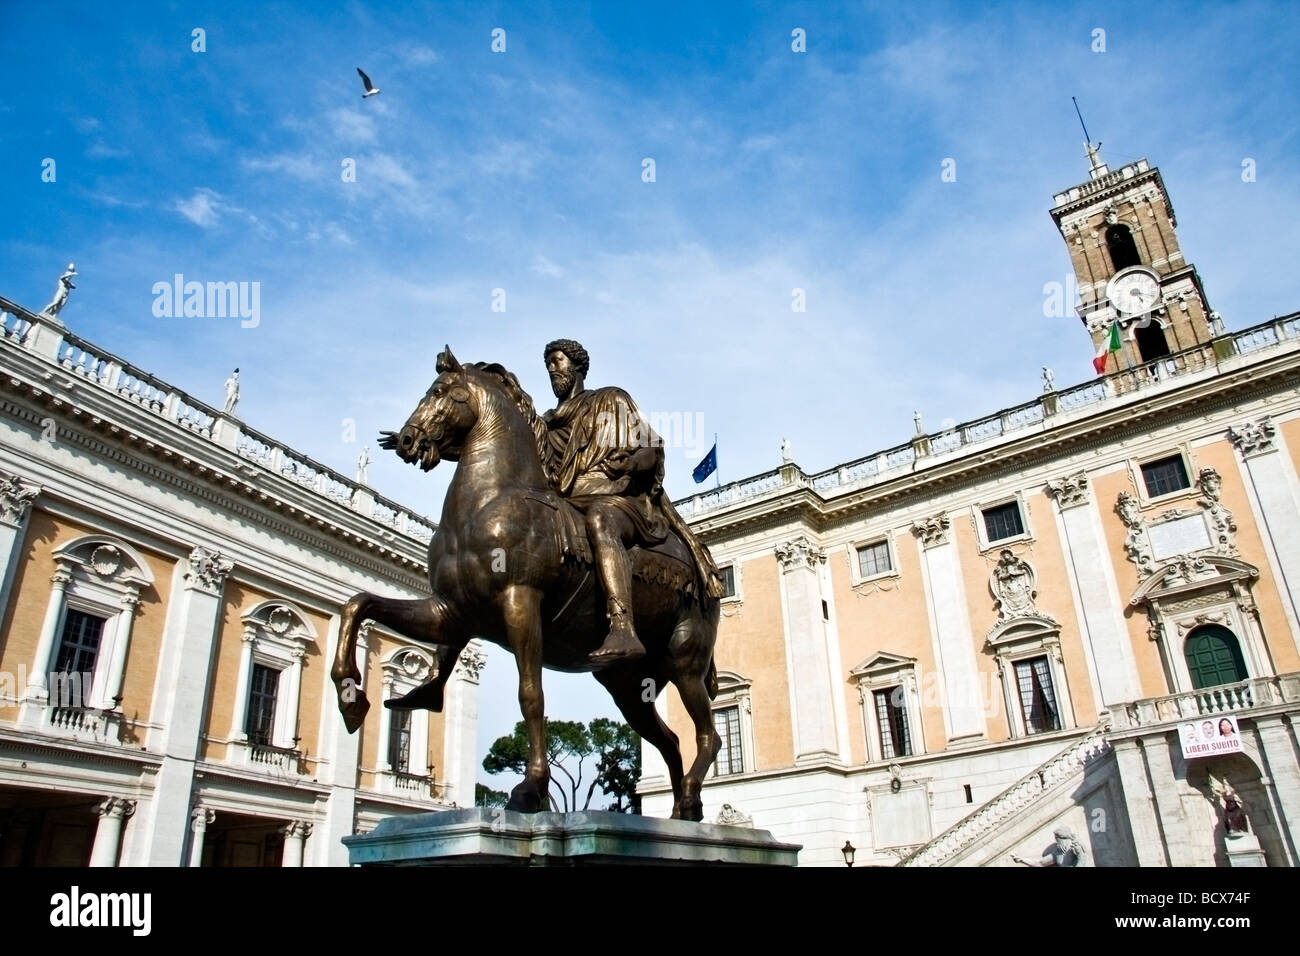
x: 1120, y: 230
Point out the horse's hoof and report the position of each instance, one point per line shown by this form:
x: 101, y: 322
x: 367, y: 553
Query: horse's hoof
x: 354, y: 711
x: 689, y: 809
x: 525, y: 799
x: 425, y: 697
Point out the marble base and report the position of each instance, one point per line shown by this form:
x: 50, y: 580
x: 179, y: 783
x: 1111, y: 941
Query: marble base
x: 495, y: 837
x: 1243, y: 850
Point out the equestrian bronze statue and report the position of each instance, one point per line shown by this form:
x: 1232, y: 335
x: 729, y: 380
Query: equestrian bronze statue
x: 558, y: 543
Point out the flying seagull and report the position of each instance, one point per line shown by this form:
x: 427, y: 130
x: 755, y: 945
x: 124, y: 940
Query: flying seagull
x: 365, y: 81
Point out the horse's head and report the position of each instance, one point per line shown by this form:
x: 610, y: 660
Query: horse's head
x: 439, y: 424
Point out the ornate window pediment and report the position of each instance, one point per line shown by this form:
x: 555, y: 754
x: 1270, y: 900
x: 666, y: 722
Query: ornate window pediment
x: 94, y: 592
x: 891, y: 706
x: 276, y: 635
x: 1153, y: 543
x: 1026, y: 644
x: 1191, y: 590
x: 404, y: 670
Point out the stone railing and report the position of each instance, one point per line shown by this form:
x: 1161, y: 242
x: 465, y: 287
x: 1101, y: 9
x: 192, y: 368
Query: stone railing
x: 85, y: 361
x: 1105, y: 181
x: 1209, y: 702
x: 277, y: 758
x: 1029, y: 788
x: 1025, y: 418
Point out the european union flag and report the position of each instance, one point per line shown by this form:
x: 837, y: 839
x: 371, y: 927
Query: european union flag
x: 708, y: 466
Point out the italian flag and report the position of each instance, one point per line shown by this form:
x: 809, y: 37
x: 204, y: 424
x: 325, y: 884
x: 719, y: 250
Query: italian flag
x: 1112, y: 344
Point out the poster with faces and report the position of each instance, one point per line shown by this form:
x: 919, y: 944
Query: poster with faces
x: 1210, y: 735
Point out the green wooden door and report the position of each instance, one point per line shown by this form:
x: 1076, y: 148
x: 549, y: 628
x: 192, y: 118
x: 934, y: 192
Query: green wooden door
x: 1214, y: 657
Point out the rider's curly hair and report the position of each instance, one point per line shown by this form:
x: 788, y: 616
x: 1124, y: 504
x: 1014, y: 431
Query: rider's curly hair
x: 576, y: 353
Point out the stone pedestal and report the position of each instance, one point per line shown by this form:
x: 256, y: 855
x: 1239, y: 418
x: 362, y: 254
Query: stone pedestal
x: 1243, y: 850
x: 495, y: 837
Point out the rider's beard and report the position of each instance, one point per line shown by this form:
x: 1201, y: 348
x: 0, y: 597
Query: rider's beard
x: 561, y: 383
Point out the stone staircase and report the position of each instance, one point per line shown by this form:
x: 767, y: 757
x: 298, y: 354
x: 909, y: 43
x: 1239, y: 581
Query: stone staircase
x: 1021, y: 798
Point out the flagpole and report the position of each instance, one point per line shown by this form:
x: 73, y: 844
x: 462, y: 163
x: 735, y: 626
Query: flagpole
x: 717, y: 472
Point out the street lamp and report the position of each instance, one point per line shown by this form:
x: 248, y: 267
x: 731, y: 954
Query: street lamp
x: 848, y: 850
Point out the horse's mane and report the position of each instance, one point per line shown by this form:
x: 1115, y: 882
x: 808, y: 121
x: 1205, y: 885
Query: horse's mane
x: 524, y: 402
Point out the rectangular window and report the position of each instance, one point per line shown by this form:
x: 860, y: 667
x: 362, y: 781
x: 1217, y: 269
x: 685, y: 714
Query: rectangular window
x: 1003, y: 522
x: 731, y: 758
x: 1165, y: 476
x: 74, y: 664
x: 1037, y: 696
x: 891, y: 718
x: 728, y: 581
x: 261, y: 705
x: 873, y: 559
x: 399, y: 740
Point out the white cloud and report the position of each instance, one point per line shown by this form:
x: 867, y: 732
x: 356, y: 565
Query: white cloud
x: 352, y: 126
x: 545, y: 267
x: 421, y: 56
x: 101, y: 150
x: 204, y: 208
x: 299, y: 165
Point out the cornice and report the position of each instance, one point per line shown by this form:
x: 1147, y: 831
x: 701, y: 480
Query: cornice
x: 1104, y: 428
x: 384, y: 561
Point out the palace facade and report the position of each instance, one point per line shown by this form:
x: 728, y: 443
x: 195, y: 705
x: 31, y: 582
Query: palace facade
x: 1082, y: 612
x: 170, y: 588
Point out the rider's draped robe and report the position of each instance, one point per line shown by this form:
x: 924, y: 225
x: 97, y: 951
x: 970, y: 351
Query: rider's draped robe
x: 582, y: 433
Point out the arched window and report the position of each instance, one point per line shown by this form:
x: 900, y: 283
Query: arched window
x: 1123, y: 250
x: 1213, y: 657
x: 1151, y: 340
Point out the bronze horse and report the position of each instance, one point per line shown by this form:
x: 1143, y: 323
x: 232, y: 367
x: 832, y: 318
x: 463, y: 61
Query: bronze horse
x: 499, y: 570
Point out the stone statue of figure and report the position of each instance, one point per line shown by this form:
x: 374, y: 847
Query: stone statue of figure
x: 610, y: 465
x: 232, y: 392
x: 1066, y: 851
x: 916, y: 420
x: 787, y: 455
x: 363, y: 460
x: 61, y: 293
x: 1234, y: 813
x: 1049, y: 380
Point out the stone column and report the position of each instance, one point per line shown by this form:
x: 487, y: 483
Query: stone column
x: 1144, y: 821
x: 200, y: 819
x: 292, y: 695
x: 38, y: 679
x: 1271, y: 478
x: 1106, y: 644
x: 1280, y: 767
x: 108, y: 835
x: 121, y: 641
x: 295, y: 832
x: 181, y: 699
x: 963, y: 692
x: 239, y: 716
x: 16, y: 496
x: 340, y: 772
x: 460, y: 720
x: 812, y: 685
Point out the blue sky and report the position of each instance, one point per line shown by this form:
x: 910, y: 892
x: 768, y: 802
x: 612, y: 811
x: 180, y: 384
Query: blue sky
x: 522, y: 171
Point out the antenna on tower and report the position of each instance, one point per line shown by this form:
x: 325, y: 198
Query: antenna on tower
x: 1081, y: 122
x: 1094, y: 152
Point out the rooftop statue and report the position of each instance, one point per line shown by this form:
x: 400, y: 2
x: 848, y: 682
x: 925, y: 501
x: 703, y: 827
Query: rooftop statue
x: 558, y: 543
x: 61, y: 293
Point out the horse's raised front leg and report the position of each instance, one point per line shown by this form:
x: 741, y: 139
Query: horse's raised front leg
x: 521, y: 609
x: 421, y: 619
